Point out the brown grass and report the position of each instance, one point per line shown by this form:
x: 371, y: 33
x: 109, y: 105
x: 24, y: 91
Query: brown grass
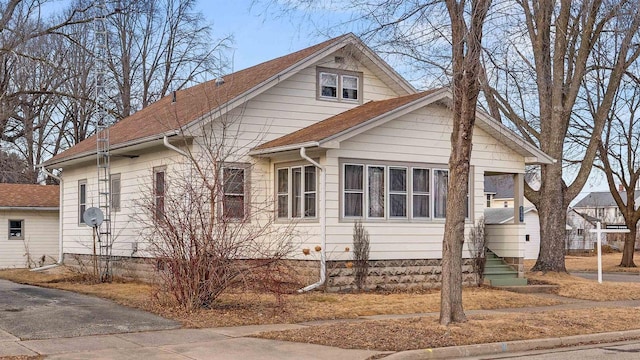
x: 425, y: 333
x: 245, y: 308
x: 589, y: 262
x: 579, y: 288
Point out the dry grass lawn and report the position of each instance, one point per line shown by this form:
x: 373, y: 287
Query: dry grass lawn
x: 589, y: 262
x: 244, y: 308
x: 425, y: 333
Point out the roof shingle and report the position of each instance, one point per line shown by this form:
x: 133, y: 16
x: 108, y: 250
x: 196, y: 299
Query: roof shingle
x: 29, y: 195
x: 166, y: 116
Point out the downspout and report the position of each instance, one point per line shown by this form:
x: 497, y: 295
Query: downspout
x: 166, y: 143
x: 60, y: 227
x: 323, y: 223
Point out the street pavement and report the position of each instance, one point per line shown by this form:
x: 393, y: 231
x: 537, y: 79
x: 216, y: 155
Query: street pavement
x: 609, y: 276
x: 65, y: 325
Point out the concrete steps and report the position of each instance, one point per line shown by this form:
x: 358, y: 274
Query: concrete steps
x: 498, y: 273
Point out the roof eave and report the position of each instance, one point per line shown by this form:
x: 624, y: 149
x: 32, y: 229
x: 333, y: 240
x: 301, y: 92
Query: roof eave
x: 74, y: 159
x: 278, y: 149
x: 30, y: 208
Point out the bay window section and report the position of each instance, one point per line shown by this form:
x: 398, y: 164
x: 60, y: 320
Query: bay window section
x: 397, y: 192
x: 375, y: 177
x: 394, y: 192
x: 296, y: 192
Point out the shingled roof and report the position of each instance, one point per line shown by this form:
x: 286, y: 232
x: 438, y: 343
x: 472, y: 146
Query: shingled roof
x: 29, y: 196
x: 166, y: 117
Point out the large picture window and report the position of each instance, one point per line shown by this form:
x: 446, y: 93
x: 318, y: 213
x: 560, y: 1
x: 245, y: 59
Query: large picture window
x: 297, y: 192
x: 394, y: 191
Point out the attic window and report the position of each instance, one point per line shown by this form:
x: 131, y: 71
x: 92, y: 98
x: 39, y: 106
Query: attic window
x: 339, y: 85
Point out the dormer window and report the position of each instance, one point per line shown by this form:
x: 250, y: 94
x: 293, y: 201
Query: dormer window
x: 339, y: 85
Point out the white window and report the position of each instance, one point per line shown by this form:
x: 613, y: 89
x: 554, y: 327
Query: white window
x: 394, y: 192
x: 350, y: 87
x: 234, y: 205
x: 115, y: 192
x: 440, y: 184
x: 353, y: 190
x: 488, y: 200
x: 398, y: 192
x: 297, y: 192
x: 420, y: 181
x: 339, y: 85
x: 16, y: 229
x: 82, y: 199
x: 329, y: 85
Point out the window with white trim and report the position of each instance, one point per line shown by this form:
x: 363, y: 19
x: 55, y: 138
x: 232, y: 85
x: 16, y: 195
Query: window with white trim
x: 115, y: 192
x: 339, y: 85
x: 16, y: 229
x: 82, y: 200
x: 235, y: 189
x: 297, y: 195
x: 389, y: 191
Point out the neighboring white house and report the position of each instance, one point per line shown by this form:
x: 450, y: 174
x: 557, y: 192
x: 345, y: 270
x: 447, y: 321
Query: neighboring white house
x: 597, y: 206
x: 29, y: 230
x: 382, y: 145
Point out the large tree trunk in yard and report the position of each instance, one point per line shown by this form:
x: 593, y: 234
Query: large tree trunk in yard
x: 466, y: 49
x: 553, y: 220
x: 629, y: 245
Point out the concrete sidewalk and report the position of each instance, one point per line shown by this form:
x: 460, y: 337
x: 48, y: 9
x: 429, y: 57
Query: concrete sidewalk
x: 194, y: 344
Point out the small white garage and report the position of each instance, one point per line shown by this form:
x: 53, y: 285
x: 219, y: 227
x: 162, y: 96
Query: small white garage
x: 29, y: 225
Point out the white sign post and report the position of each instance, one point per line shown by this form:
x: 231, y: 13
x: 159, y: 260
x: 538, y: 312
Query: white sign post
x: 599, y: 231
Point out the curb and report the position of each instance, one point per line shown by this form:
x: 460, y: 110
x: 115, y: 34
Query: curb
x: 456, y: 352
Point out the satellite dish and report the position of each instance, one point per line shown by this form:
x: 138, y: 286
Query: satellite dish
x: 93, y: 217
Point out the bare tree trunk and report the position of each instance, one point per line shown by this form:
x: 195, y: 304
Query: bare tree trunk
x: 466, y: 49
x: 629, y: 245
x: 551, y: 201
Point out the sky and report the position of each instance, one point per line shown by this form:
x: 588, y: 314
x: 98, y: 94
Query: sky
x: 257, y: 38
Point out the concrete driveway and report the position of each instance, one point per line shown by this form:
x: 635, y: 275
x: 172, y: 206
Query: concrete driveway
x: 30, y: 312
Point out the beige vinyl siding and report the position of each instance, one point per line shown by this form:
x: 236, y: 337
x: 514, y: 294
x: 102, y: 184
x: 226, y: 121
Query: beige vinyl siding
x: 136, y: 176
x: 506, y: 240
x: 40, y: 238
x: 421, y: 137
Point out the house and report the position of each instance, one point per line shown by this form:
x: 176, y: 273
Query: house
x: 499, y: 216
x: 29, y: 231
x: 598, y: 206
x: 326, y: 135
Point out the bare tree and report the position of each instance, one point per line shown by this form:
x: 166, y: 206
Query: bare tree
x: 158, y: 46
x: 14, y: 169
x: 619, y: 159
x: 205, y: 226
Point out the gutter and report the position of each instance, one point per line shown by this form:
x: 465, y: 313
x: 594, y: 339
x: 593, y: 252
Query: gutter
x: 323, y: 223
x: 60, y: 227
